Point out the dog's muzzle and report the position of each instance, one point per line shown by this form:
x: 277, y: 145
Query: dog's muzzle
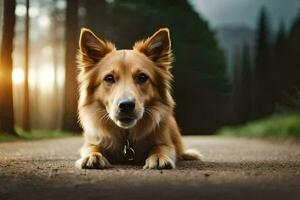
x: 127, y: 115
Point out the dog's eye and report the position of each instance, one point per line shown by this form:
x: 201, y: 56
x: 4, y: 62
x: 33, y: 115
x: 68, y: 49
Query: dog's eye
x: 142, y: 78
x: 109, y: 78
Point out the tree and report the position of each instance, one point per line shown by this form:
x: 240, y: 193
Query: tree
x: 281, y: 68
x: 293, y: 60
x: 263, y: 104
x: 6, y: 95
x: 246, y: 82
x: 71, y: 94
x: 26, y: 111
x: 56, y: 41
x: 236, y: 86
x: 243, y: 85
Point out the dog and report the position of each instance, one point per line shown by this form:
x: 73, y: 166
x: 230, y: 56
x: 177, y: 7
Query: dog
x: 125, y: 104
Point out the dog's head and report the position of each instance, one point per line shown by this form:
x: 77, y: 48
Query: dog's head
x: 126, y: 85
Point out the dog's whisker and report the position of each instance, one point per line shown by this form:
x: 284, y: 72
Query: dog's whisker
x: 106, y: 118
x: 103, y: 117
x: 150, y: 114
x: 100, y: 111
x: 153, y: 109
x: 156, y: 109
x: 150, y: 111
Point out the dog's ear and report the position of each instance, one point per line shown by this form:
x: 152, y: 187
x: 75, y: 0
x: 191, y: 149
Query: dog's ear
x: 157, y: 48
x: 91, y: 48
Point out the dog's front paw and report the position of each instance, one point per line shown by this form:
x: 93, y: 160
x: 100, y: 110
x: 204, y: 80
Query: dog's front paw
x: 159, y: 161
x: 93, y: 161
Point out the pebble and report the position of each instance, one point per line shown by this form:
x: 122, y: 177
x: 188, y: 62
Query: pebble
x: 207, y: 174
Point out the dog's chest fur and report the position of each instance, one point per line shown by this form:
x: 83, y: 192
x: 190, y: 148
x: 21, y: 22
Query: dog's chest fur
x: 141, y: 149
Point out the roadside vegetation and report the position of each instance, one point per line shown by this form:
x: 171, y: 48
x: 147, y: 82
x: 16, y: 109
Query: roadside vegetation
x: 284, y: 125
x: 35, y: 135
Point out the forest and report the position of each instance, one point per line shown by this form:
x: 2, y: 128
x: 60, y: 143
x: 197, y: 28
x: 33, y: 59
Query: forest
x: 39, y: 42
x: 268, y: 81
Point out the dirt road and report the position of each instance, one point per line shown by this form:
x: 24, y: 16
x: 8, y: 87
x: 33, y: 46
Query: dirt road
x: 231, y: 169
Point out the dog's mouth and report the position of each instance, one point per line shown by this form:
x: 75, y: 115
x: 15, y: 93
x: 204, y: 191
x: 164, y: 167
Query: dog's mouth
x: 126, y: 121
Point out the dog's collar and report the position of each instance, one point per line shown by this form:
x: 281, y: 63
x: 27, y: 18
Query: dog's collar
x: 128, y: 151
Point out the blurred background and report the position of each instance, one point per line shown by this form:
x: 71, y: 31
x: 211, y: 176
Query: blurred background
x: 237, y: 66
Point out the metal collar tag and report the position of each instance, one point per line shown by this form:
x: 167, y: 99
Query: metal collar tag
x: 128, y: 151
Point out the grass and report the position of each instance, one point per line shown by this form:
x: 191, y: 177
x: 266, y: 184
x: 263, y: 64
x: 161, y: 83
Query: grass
x: 35, y: 135
x: 276, y: 126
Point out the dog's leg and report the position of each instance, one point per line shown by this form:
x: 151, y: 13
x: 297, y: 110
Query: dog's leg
x: 91, y: 158
x: 161, y: 157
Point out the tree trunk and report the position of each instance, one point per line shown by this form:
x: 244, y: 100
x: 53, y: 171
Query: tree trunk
x: 55, y: 41
x: 263, y: 91
x: 6, y: 95
x: 71, y: 93
x: 26, y: 111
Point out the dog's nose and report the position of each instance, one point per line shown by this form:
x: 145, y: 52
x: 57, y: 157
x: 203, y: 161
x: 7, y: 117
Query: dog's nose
x: 127, y: 106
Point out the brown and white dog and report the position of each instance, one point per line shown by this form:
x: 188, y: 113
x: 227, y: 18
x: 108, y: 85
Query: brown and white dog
x: 125, y: 105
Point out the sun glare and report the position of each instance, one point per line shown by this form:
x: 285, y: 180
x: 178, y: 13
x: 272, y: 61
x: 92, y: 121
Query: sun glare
x: 44, y: 21
x: 20, y: 10
x: 43, y: 77
x: 18, y: 76
x: 46, y: 77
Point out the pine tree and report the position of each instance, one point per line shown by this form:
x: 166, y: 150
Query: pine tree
x: 236, y: 86
x: 243, y: 85
x: 246, y: 83
x: 280, y: 76
x: 263, y: 91
x: 71, y: 93
x: 6, y: 95
x: 293, y: 60
x: 26, y: 111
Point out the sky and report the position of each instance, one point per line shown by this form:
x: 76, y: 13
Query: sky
x: 244, y: 12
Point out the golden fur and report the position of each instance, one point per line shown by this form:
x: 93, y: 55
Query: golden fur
x: 142, y: 74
